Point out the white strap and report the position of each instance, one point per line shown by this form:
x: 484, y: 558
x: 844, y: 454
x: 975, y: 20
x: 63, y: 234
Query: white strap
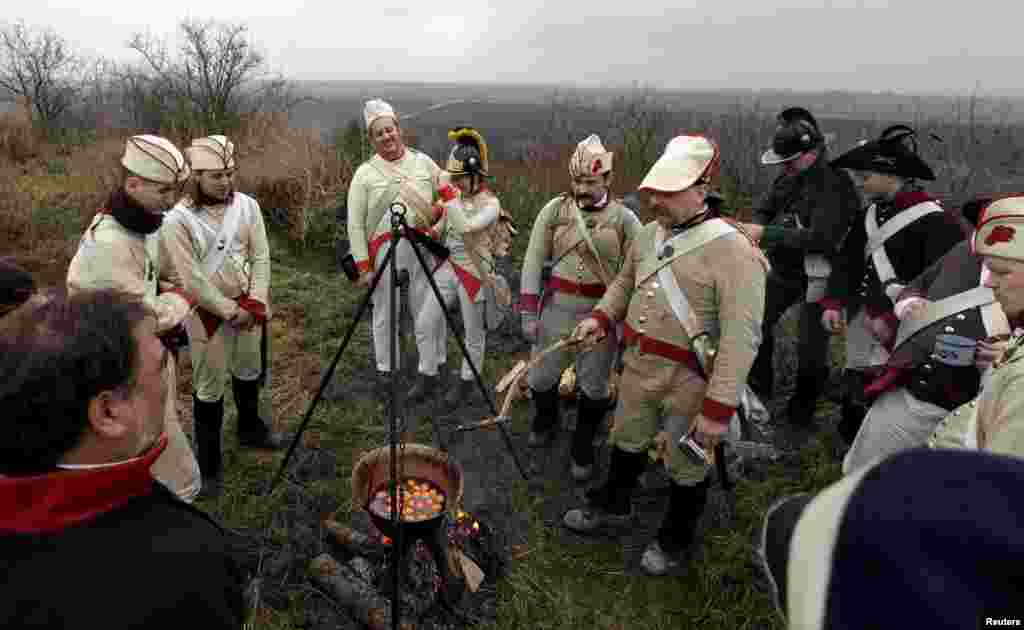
x: 214, y: 251
x: 677, y: 299
x: 941, y: 309
x: 877, y: 236
x: 748, y: 400
x: 420, y: 205
x: 691, y: 239
x: 581, y: 225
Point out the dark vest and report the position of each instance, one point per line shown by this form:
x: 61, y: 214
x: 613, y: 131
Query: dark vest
x: 929, y: 380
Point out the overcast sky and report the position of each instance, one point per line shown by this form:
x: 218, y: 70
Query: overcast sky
x: 875, y: 45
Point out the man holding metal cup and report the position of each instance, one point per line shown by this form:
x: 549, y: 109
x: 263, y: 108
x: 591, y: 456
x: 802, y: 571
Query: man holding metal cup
x: 994, y: 421
x: 689, y: 282
x: 942, y: 349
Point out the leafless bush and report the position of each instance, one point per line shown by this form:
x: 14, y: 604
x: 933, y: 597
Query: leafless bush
x: 39, y: 66
x: 215, y: 76
x: 294, y: 175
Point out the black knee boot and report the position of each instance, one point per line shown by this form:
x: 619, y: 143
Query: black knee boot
x: 762, y: 373
x: 685, y: 506
x: 546, y: 408
x: 590, y: 412
x: 208, y: 419
x: 810, y: 382
x: 854, y: 407
x: 252, y: 431
x: 616, y: 494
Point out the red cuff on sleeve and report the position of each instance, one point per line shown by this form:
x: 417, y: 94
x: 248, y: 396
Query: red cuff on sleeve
x: 716, y: 411
x: 874, y: 312
x: 363, y: 266
x: 831, y: 304
x: 257, y: 308
x: 529, y: 303
x: 891, y: 319
x: 603, y: 319
x: 192, y: 301
x: 448, y: 192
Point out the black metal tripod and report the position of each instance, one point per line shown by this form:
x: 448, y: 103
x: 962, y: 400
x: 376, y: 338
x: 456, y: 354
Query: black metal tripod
x: 400, y: 230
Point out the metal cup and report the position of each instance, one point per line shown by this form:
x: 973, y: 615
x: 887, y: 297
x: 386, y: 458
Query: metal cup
x: 955, y: 350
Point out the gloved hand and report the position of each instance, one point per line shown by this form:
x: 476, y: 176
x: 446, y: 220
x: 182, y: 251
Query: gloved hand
x: 531, y: 327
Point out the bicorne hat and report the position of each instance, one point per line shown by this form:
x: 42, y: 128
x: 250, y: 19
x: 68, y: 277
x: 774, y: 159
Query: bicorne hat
x: 892, y: 153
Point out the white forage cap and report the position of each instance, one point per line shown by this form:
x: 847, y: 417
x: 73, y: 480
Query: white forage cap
x: 155, y: 158
x: 212, y: 153
x: 375, y: 109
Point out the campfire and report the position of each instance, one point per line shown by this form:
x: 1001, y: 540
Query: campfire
x: 445, y: 552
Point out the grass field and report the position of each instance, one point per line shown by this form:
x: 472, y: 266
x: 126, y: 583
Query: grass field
x: 559, y: 580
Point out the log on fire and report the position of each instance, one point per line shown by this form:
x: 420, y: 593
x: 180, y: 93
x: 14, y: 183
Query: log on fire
x: 350, y: 590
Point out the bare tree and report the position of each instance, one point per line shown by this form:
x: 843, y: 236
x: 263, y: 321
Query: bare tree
x: 642, y: 120
x: 39, y: 66
x: 216, y: 75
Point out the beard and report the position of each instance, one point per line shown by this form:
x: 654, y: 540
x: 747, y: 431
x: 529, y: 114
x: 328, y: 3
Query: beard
x: 587, y: 201
x: 132, y: 215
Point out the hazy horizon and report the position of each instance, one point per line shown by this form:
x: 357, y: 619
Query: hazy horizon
x: 907, y: 47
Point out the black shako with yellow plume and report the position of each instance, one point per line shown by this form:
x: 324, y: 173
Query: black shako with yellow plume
x: 469, y: 155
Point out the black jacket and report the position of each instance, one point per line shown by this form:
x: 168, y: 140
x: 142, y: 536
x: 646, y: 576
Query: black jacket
x: 826, y: 202
x: 855, y: 282
x: 152, y: 561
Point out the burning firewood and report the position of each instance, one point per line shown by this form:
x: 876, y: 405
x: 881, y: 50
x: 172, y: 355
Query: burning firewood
x: 360, y: 597
x: 355, y: 542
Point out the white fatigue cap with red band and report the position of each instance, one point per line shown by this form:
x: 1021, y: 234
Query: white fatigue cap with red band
x: 1000, y: 229
x: 590, y: 158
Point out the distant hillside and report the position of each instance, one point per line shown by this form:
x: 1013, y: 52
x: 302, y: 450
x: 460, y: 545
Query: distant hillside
x: 344, y: 99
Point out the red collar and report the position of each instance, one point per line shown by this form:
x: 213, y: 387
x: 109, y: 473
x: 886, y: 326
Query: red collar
x: 904, y: 200
x: 55, y: 501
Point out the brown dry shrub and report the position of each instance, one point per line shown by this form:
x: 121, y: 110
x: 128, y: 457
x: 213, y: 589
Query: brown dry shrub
x: 38, y: 226
x: 18, y: 141
x: 290, y: 171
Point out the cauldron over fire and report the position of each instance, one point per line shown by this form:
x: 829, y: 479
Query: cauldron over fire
x: 423, y: 465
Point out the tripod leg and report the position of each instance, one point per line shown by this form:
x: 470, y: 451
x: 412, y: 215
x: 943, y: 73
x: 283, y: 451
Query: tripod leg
x: 465, y: 354
x: 326, y: 378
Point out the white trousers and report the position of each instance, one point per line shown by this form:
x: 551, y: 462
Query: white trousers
x: 229, y: 351
x: 431, y: 327
x: 862, y: 349
x: 405, y: 259
x: 896, y: 421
